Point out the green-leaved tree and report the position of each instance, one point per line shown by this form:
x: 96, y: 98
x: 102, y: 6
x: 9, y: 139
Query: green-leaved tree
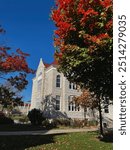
x: 84, y: 44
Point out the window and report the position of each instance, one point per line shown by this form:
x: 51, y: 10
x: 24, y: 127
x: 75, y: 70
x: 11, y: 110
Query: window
x: 106, y: 104
x: 57, y: 104
x: 71, y: 104
x: 72, y: 86
x: 39, y: 88
x: 105, y: 125
x: 106, y: 109
x: 58, y: 81
x: 69, y: 85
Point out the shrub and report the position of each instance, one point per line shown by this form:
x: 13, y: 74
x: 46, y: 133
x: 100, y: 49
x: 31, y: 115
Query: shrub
x: 83, y: 123
x: 62, y: 122
x: 77, y: 123
x: 92, y: 123
x: 24, y: 119
x: 53, y: 123
x: 66, y: 122
x: 49, y: 124
x: 46, y: 123
x: 36, y: 116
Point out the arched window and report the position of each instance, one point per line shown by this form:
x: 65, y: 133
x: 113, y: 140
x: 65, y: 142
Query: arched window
x: 58, y: 81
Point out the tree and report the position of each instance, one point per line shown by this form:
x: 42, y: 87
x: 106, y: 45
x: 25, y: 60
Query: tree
x: 84, y: 47
x: 14, y: 70
x: 8, y: 98
x: 86, y: 100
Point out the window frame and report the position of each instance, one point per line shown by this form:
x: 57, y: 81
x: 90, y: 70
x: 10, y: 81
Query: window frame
x: 58, y: 81
x: 57, y: 105
x: 106, y: 109
x: 72, y: 107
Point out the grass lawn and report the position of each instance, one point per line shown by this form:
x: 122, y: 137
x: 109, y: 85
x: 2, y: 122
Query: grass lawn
x: 72, y: 141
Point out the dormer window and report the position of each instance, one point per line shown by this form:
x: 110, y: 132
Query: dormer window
x: 58, y: 81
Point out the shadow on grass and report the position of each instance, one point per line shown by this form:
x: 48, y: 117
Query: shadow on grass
x: 22, y: 142
x: 107, y: 137
x: 20, y: 127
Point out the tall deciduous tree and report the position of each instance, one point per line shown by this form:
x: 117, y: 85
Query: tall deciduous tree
x: 15, y: 66
x: 84, y: 45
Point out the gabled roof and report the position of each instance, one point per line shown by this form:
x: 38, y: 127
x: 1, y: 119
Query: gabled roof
x: 54, y: 63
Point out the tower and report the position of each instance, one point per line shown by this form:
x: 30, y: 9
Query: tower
x: 38, y: 87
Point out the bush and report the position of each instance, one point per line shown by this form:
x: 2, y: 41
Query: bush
x: 92, y: 123
x: 69, y: 122
x: 21, y: 118
x: 46, y: 124
x: 36, y: 116
x: 49, y: 124
x: 77, y: 123
x: 6, y: 120
x: 83, y: 123
x: 53, y: 123
x: 62, y: 122
x: 24, y: 119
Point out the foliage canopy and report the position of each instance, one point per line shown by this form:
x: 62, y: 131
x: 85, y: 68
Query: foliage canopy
x: 84, y: 43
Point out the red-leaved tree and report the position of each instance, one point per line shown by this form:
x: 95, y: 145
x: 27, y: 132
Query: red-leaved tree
x: 13, y: 69
x: 84, y: 44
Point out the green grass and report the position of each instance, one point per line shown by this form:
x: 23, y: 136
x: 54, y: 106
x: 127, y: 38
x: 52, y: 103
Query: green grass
x: 73, y: 141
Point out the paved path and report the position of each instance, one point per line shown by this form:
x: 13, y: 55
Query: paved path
x: 45, y: 132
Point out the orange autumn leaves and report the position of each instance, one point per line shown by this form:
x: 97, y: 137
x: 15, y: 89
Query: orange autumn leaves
x: 13, y: 62
x: 91, y: 17
x: 86, y: 99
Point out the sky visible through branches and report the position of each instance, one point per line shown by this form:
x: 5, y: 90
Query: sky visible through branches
x: 28, y: 27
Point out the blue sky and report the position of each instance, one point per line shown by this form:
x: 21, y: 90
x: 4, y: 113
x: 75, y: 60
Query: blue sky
x: 29, y: 27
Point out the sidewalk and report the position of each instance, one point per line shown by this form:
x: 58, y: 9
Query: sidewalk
x: 45, y: 132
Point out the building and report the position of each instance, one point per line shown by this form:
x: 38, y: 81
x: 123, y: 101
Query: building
x: 24, y: 108
x: 53, y: 93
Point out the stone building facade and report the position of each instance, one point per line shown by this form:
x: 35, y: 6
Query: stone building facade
x: 53, y: 93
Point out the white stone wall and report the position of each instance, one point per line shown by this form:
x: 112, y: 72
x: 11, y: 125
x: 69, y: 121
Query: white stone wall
x: 49, y: 81
x: 34, y: 94
x: 49, y: 90
x: 38, y: 91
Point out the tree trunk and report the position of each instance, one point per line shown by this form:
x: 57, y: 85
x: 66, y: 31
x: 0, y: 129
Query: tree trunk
x: 100, y: 117
x: 85, y: 112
